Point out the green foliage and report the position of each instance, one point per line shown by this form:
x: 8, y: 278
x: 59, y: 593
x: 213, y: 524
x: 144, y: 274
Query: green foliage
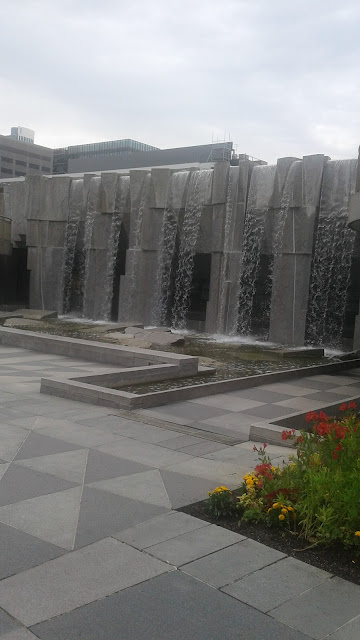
x: 221, y: 503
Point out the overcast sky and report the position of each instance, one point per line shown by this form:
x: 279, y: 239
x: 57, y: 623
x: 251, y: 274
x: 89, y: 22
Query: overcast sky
x: 280, y: 77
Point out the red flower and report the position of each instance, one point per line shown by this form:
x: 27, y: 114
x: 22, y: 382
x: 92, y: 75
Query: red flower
x: 342, y: 407
x: 287, y: 433
x: 311, y: 415
x: 323, y: 416
x: 264, y: 470
x: 351, y: 405
x: 299, y: 440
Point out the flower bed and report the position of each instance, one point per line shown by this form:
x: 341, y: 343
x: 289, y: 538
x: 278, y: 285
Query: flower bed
x: 314, y: 501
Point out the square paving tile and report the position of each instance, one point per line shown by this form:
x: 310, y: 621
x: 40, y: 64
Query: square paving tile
x: 76, y: 579
x: 179, y: 441
x: 327, y: 397
x: 232, y: 563
x: 7, y: 624
x: 11, y: 439
x: 76, y: 433
x: 190, y: 411
x: 270, y: 411
x: 290, y: 389
x: 349, y: 631
x: 160, y: 529
x: 227, y: 402
x: 19, y: 634
x: 19, y: 483
x: 346, y: 391
x: 170, y: 607
x: 275, y: 584
x: 321, y: 610
x: 195, y: 544
x: 301, y: 403
x: 147, y: 454
x: 260, y: 394
x: 103, y: 513
x: 202, y: 448
x: 20, y: 551
x: 37, y: 444
x: 102, y: 466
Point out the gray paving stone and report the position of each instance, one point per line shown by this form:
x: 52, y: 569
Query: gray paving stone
x: 147, y: 487
x: 147, y: 454
x: 77, y: 434
x: 195, y: 544
x: 37, y: 444
x: 260, y: 394
x: 7, y: 624
x: 314, y: 383
x: 295, y: 388
x: 102, y: 466
x: 19, y: 634
x: 179, y: 441
x: 20, y: 551
x: 103, y: 513
x: 275, y: 584
x: 52, y: 517
x: 19, y: 483
x: 232, y: 563
x: 183, y: 490
x: 11, y: 439
x: 160, y: 529
x: 76, y: 579
x: 170, y: 607
x: 349, y: 631
x: 321, y: 610
x: 326, y: 397
x: 270, y: 411
x: 202, y: 448
x: 300, y: 403
x: 228, y: 402
x: 188, y: 411
x: 69, y: 465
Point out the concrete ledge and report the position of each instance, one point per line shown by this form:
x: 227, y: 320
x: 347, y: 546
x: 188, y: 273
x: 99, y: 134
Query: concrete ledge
x: 95, y: 351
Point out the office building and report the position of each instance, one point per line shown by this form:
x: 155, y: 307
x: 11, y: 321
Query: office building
x: 19, y: 158
x: 23, y: 134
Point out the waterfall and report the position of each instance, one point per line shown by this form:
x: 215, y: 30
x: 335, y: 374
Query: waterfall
x: 121, y: 198
x: 230, y: 207
x: 331, y: 265
x: 200, y: 182
x: 129, y: 312
x: 71, y: 235
x: 91, y: 209
x: 177, y: 186
x: 260, y: 193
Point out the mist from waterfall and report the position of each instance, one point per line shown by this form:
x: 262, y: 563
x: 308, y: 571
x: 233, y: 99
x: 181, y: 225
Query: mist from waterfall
x: 331, y: 265
x: 260, y: 193
x: 200, y: 182
x: 177, y: 187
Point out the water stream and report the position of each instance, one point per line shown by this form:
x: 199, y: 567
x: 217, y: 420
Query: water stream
x: 198, y: 189
x: 260, y: 193
x: 177, y: 187
x: 71, y: 235
x: 91, y: 210
x: 334, y: 243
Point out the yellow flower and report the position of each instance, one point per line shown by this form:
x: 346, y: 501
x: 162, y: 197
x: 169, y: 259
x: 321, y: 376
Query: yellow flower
x: 272, y: 468
x: 284, y: 511
x: 224, y: 489
x: 249, y: 482
x: 276, y: 505
x: 269, y: 510
x: 281, y: 517
x: 290, y: 509
x: 357, y: 533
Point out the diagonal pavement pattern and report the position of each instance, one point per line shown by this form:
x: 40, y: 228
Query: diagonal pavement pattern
x: 91, y: 544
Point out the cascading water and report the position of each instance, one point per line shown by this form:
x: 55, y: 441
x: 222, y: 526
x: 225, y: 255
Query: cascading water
x: 178, y: 184
x: 228, y: 240
x: 260, y: 192
x: 129, y: 311
x: 91, y: 209
x: 122, y: 194
x: 71, y: 235
x: 200, y: 182
x: 334, y: 243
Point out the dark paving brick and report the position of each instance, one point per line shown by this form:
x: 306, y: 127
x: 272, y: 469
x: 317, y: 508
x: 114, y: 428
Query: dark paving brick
x: 191, y: 410
x: 330, y: 398
x: 103, y: 513
x: 261, y: 395
x: 170, y: 607
x: 19, y: 483
x: 37, y: 445
x: 20, y: 551
x: 101, y: 466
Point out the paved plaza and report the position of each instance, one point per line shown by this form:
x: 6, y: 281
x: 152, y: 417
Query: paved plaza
x: 91, y: 544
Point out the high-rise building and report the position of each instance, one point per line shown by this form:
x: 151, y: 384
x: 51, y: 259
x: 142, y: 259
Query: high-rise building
x: 96, y: 150
x: 23, y: 134
x: 19, y: 158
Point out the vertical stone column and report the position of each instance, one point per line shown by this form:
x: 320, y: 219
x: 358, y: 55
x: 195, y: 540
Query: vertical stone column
x: 354, y: 223
x: 292, y: 267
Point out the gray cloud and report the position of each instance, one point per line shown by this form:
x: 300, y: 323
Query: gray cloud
x: 281, y: 78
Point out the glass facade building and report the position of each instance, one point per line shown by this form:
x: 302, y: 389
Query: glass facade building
x: 96, y: 149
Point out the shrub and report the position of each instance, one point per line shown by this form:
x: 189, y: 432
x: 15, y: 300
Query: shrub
x: 221, y: 503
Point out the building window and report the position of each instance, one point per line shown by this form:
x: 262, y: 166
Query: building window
x: 34, y: 166
x: 46, y: 169
x: 21, y: 163
x: 8, y: 160
x: 7, y: 171
x: 19, y: 173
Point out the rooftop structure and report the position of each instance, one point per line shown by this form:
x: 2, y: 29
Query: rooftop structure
x: 19, y: 158
x: 23, y: 134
